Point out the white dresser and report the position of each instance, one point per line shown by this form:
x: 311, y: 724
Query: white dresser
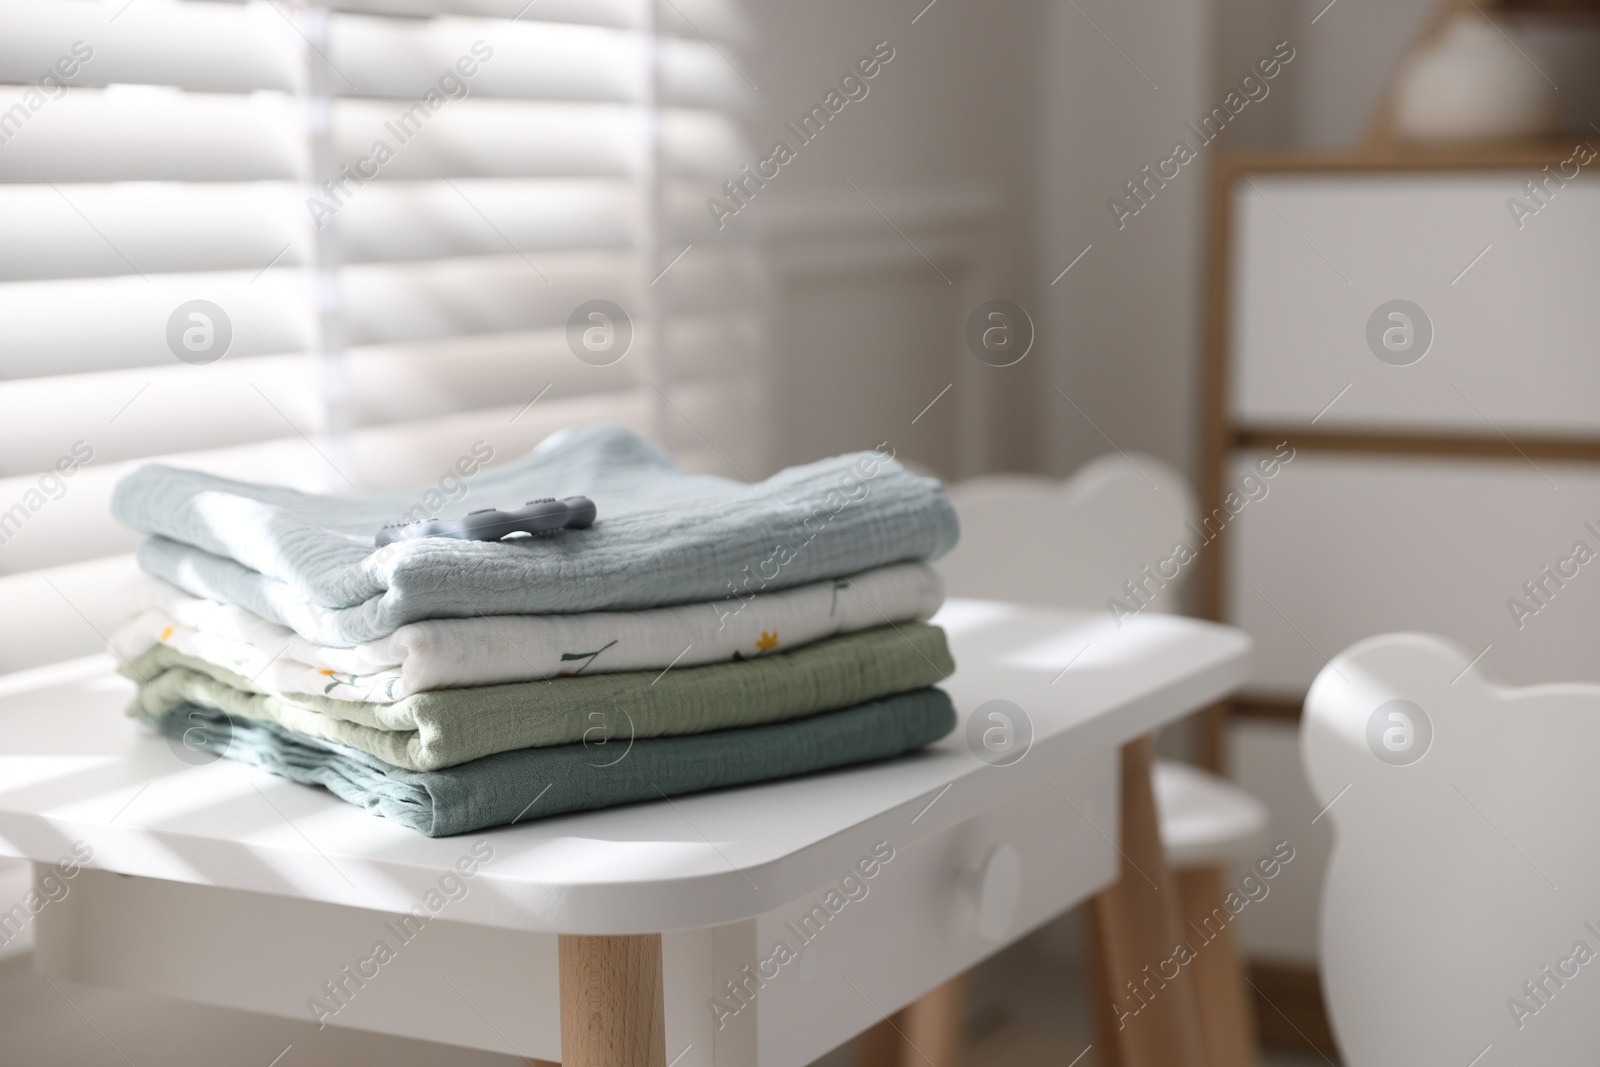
x: 1432, y: 357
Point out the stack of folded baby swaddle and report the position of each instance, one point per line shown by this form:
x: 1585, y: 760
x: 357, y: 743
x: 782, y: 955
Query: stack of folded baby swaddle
x: 701, y: 633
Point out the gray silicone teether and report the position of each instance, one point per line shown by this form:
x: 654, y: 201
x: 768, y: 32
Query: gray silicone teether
x: 491, y: 524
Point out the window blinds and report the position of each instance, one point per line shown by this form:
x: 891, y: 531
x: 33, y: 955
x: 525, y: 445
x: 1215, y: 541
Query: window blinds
x: 395, y: 216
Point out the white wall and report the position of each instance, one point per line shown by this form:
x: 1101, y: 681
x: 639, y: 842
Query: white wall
x: 953, y: 113
x: 1349, y: 56
x: 1123, y: 326
x: 1027, y: 101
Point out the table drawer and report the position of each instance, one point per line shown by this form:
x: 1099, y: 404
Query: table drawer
x: 1315, y: 257
x: 919, y: 924
x: 1343, y: 547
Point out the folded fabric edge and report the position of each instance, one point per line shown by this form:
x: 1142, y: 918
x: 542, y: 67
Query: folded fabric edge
x: 435, y: 803
x: 173, y: 680
x: 166, y: 615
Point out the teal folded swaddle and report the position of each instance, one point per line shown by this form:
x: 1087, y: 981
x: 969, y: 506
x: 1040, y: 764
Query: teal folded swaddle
x: 663, y: 537
x: 535, y: 783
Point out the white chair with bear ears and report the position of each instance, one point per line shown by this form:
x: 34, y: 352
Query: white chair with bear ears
x: 1082, y: 543
x: 1461, y: 907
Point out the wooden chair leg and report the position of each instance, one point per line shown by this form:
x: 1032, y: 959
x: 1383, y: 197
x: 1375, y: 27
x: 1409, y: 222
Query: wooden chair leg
x: 880, y: 1046
x: 1227, y: 1017
x: 1138, y: 920
x: 934, y: 1027
x: 1104, y: 1016
x: 612, y: 1014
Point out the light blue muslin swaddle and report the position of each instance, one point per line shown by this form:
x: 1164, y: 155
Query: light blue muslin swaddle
x: 663, y: 537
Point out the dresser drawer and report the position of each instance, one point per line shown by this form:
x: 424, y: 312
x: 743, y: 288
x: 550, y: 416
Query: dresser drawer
x: 1343, y: 547
x: 1317, y: 259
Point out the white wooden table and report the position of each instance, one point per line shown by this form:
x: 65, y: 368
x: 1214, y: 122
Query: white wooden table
x: 249, y: 891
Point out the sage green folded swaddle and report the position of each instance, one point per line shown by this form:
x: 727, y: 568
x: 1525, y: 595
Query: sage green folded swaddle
x: 448, y: 727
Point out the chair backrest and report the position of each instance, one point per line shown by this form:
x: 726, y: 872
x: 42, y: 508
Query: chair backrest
x: 1073, y: 543
x: 1460, y: 910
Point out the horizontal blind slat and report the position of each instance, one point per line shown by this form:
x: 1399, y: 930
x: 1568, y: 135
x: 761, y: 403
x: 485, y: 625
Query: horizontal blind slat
x: 169, y: 227
x: 721, y: 21
x: 145, y: 133
x: 219, y: 47
x: 486, y: 138
x: 241, y: 48
x: 128, y: 133
x: 489, y: 294
x: 96, y: 324
x: 80, y: 325
x: 78, y: 526
x: 618, y: 13
x: 131, y: 133
x: 405, y: 58
x: 149, y: 411
x: 453, y: 57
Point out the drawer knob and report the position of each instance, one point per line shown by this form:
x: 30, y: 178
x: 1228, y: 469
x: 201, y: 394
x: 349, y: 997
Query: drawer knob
x: 999, y: 892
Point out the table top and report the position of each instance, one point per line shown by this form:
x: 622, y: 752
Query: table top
x: 74, y: 770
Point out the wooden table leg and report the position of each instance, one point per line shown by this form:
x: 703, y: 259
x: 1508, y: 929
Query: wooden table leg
x: 1146, y: 964
x: 611, y: 1006
x: 928, y: 1032
x: 1227, y: 1017
x: 934, y: 1026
